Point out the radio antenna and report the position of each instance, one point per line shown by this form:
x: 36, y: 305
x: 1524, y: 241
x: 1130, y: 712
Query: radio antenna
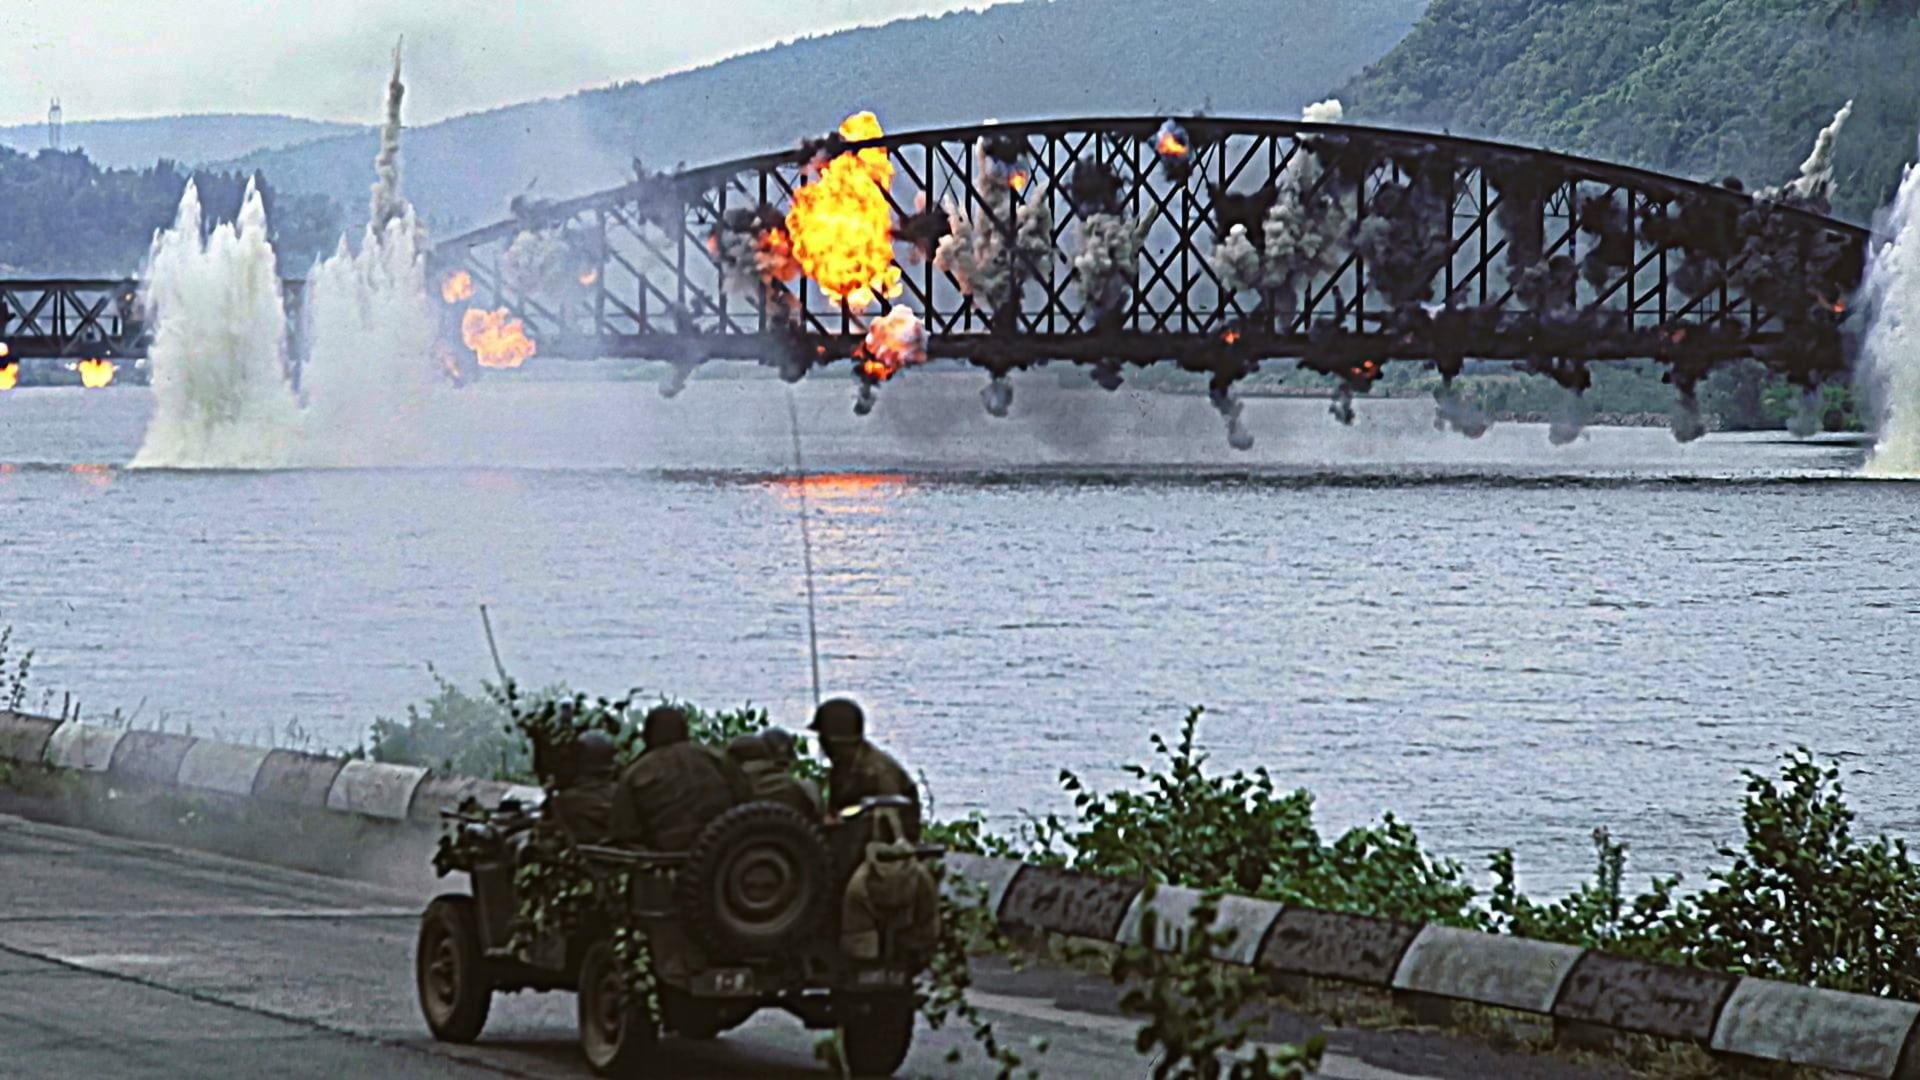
x: 806, y: 544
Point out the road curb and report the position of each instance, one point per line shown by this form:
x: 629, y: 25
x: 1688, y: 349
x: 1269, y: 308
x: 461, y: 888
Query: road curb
x: 1733, y: 1015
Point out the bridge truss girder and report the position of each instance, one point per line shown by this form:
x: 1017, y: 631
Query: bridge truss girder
x: 1688, y: 274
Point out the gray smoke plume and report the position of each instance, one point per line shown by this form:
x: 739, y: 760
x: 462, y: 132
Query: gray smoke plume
x: 1686, y: 422
x: 1453, y: 412
x: 1816, y: 173
x: 980, y: 261
x: 1569, y: 420
x: 1108, y: 260
x: 387, y: 205
x: 676, y: 380
x: 1230, y: 409
x: 865, y: 400
x: 1808, y: 414
x: 548, y: 262
x: 997, y: 396
x: 1304, y: 231
x: 1342, y: 407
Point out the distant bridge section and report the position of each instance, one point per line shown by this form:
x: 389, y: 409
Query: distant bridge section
x: 71, y: 319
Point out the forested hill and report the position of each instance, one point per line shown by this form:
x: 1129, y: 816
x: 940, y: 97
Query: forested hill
x: 1705, y: 88
x: 190, y: 140
x: 62, y: 215
x: 1011, y: 61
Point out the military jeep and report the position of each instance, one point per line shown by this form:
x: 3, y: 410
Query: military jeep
x: 747, y: 919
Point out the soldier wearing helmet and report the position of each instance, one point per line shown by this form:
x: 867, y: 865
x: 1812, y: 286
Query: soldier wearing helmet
x: 767, y: 760
x: 674, y: 788
x: 584, y: 802
x: 861, y: 770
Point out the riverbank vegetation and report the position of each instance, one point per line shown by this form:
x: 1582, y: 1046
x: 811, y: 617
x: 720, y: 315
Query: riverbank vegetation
x: 1701, y: 88
x: 1799, y: 898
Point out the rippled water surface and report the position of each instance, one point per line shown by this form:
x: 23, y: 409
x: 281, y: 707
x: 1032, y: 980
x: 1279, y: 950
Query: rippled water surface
x: 1504, y: 643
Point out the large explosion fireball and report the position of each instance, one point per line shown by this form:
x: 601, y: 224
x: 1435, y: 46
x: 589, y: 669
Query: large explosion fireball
x: 841, y: 225
x: 497, y: 340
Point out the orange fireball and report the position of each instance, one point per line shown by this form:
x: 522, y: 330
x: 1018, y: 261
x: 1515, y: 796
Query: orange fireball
x: 95, y: 374
x: 497, y: 339
x: 841, y: 226
x: 457, y: 287
x: 894, y: 341
x: 1172, y: 142
x: 9, y: 375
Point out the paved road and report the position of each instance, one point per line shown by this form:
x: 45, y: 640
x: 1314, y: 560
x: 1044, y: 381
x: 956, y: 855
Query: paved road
x: 126, y: 959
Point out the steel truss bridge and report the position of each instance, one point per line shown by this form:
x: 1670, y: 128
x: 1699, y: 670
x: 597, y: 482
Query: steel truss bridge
x: 1432, y: 248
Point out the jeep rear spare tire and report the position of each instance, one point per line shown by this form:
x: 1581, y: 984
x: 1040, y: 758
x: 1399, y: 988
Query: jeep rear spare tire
x: 758, y: 882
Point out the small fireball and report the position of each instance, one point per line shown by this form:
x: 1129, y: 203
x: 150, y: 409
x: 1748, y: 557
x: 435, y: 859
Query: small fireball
x: 1019, y: 180
x: 9, y: 375
x: 497, y: 340
x: 589, y: 277
x: 1172, y: 141
x: 894, y: 341
x: 457, y: 287
x: 95, y: 374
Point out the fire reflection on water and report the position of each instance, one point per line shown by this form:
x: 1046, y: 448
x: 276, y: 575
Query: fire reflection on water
x: 94, y: 475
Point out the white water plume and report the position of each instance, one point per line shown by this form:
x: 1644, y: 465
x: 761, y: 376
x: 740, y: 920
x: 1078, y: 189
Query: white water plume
x: 1890, y: 355
x: 219, y: 357
x: 1816, y: 173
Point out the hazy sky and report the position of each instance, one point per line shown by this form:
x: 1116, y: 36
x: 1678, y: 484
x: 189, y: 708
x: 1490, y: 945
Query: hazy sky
x: 325, y: 59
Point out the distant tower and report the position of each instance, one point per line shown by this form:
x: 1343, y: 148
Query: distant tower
x: 53, y: 124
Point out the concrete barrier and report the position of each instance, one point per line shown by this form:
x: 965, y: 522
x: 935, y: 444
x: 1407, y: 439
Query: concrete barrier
x: 1748, y: 1018
x: 219, y: 767
x: 371, y: 789
x: 994, y: 875
x: 1487, y: 969
x: 82, y: 748
x: 1336, y: 945
x: 293, y: 778
x: 1644, y: 998
x: 24, y: 738
x: 1819, y: 1028
x: 1062, y: 902
x: 1173, y: 908
x: 149, y: 757
x: 437, y: 793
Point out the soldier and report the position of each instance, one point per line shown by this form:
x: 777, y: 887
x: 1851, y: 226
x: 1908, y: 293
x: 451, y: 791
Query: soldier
x: 767, y: 760
x: 674, y: 788
x: 861, y: 770
x: 584, y: 802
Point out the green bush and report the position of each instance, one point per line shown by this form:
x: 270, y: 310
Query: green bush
x: 1200, y: 1015
x: 1238, y: 832
x: 492, y: 734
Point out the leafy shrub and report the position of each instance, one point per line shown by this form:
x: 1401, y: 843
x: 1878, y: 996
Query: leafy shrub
x: 1802, y: 900
x: 1199, y: 1014
x: 1239, y: 833
x: 493, y: 734
x: 455, y: 732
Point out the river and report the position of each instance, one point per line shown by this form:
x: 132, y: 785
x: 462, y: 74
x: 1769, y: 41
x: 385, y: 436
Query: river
x: 1502, y: 642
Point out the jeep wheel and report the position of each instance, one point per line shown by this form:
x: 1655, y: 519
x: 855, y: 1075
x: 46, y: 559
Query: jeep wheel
x: 876, y: 1031
x: 758, y: 882
x: 449, y: 971
x: 616, y: 1034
